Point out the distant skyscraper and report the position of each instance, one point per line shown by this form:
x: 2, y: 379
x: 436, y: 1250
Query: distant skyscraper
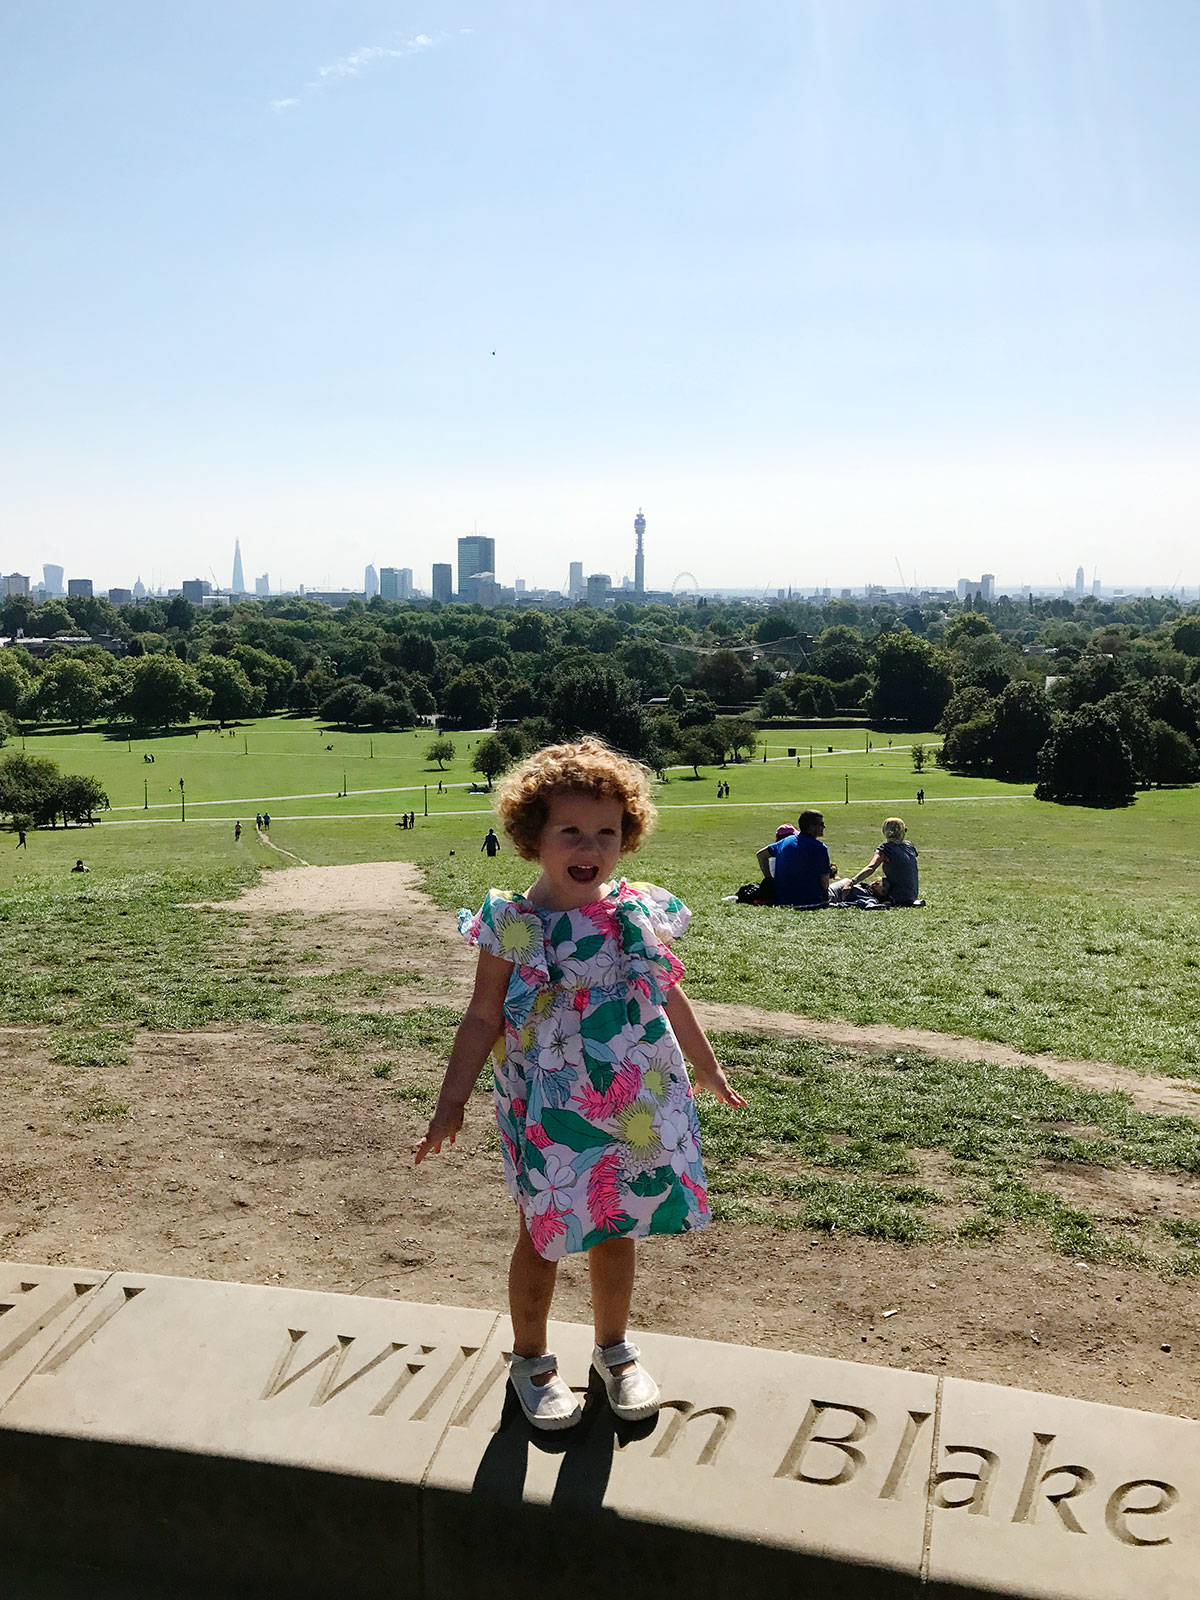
x: 639, y: 560
x: 16, y: 583
x: 395, y: 583
x: 370, y: 582
x: 575, y: 589
x: 987, y: 587
x: 598, y: 585
x: 262, y: 586
x: 443, y: 581
x: 194, y: 589
x: 120, y: 597
x: 52, y: 577
x: 80, y: 586
x: 476, y: 554
x: 239, y: 583
x: 1079, y: 581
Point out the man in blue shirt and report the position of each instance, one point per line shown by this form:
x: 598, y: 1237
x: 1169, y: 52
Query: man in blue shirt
x: 800, y: 865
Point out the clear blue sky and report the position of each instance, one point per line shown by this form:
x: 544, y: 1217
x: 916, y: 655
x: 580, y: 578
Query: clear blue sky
x: 823, y: 286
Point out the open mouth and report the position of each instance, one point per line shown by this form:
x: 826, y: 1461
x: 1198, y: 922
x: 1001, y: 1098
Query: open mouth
x: 582, y: 874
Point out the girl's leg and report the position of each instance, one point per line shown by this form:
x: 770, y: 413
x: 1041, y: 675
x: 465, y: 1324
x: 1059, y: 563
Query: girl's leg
x: 530, y: 1290
x: 611, y: 1266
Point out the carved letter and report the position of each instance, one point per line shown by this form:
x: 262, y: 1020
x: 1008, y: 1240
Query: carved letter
x: 466, y: 1412
x: 863, y: 1423
x: 976, y: 1497
x: 58, y: 1360
x: 1118, y: 1509
x: 685, y: 1415
x: 457, y: 1362
x: 1027, y: 1503
x: 64, y: 1303
x: 328, y: 1386
x: 892, y: 1483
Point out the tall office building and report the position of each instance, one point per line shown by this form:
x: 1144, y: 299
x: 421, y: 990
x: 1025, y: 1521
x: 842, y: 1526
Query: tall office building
x: 639, y: 560
x: 443, y: 581
x: 239, y: 583
x: 1079, y: 580
x: 80, y: 586
x: 987, y: 587
x: 575, y: 589
x: 395, y: 583
x: 16, y: 583
x: 194, y: 589
x: 598, y: 585
x: 120, y: 597
x: 476, y: 554
x: 262, y: 586
x: 370, y: 582
x: 52, y: 577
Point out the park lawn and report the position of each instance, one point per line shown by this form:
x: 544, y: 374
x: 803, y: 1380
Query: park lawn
x: 1048, y: 927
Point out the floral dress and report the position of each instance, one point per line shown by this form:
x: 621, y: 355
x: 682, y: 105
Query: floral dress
x: 596, y: 1112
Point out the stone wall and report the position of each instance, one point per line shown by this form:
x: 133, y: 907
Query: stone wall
x: 172, y: 1437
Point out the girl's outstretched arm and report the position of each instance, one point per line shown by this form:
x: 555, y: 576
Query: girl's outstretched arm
x: 482, y: 1022
x: 693, y: 1041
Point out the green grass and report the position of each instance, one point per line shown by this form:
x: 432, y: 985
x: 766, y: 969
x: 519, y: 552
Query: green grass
x: 840, y: 1140
x: 1049, y: 928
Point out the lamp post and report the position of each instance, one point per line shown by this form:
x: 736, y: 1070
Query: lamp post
x: 182, y: 802
x: 145, y: 794
x: 426, y: 799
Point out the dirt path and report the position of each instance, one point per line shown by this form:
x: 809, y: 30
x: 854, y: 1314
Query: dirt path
x: 248, y: 1153
x: 359, y: 896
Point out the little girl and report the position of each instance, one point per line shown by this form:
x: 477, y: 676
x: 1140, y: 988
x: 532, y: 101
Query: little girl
x: 578, y: 989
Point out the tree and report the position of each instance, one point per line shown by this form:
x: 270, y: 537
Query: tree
x: 1186, y: 635
x: 677, y: 699
x: 910, y: 681
x: 273, y: 675
x: 1173, y: 756
x: 468, y: 700
x: 71, y: 690
x: 699, y: 746
x: 342, y: 705
x: 596, y: 697
x: 1091, y: 678
x: 441, y: 751
x: 725, y: 676
x: 737, y: 736
x: 492, y: 757
x: 964, y: 705
x: 79, y: 798
x: 774, y: 702
x: 15, y: 680
x: 181, y: 613
x: 233, y: 695
x: 838, y: 654
x: 1165, y: 700
x: 918, y: 757
x: 161, y: 691
x: 1021, y: 721
x: 1085, y: 761
x: 29, y: 786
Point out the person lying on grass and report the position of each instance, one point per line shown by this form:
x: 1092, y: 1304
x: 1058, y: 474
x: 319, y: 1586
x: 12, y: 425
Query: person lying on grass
x: 577, y: 994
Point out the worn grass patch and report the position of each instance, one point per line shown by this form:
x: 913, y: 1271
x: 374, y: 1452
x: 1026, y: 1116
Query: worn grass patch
x: 872, y: 1122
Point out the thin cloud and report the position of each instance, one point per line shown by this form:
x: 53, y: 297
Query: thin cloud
x: 356, y: 63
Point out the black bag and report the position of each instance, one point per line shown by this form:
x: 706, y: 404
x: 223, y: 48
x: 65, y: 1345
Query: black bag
x: 757, y: 894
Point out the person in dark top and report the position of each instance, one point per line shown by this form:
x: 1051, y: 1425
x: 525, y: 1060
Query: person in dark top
x: 897, y: 856
x: 491, y: 843
x: 800, y: 865
x: 79, y: 867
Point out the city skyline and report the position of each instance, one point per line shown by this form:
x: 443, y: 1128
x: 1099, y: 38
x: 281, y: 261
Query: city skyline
x: 841, y: 286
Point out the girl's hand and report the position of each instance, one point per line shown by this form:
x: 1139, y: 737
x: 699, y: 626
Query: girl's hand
x: 445, y: 1124
x: 714, y: 1080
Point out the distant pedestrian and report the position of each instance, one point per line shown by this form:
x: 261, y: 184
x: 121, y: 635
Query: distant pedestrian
x: 237, y: 832
x: 412, y: 819
x: 490, y: 843
x: 920, y: 797
x: 266, y: 822
x: 258, y: 819
x: 22, y: 842
x: 79, y: 867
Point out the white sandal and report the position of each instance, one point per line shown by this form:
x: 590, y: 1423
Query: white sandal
x: 546, y: 1405
x: 632, y: 1395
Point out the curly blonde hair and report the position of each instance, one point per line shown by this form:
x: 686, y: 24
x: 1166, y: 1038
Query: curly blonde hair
x: 587, y: 767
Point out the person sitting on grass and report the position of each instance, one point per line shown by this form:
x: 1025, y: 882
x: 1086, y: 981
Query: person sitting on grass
x: 897, y: 857
x: 800, y: 864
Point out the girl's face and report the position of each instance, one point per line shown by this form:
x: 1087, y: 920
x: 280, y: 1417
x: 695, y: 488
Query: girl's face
x: 579, y: 847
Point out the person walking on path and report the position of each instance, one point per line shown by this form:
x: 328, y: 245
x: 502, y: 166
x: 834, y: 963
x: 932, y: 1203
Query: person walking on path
x: 22, y: 842
x: 490, y: 843
x: 237, y: 832
x: 597, y: 1117
x: 266, y: 822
